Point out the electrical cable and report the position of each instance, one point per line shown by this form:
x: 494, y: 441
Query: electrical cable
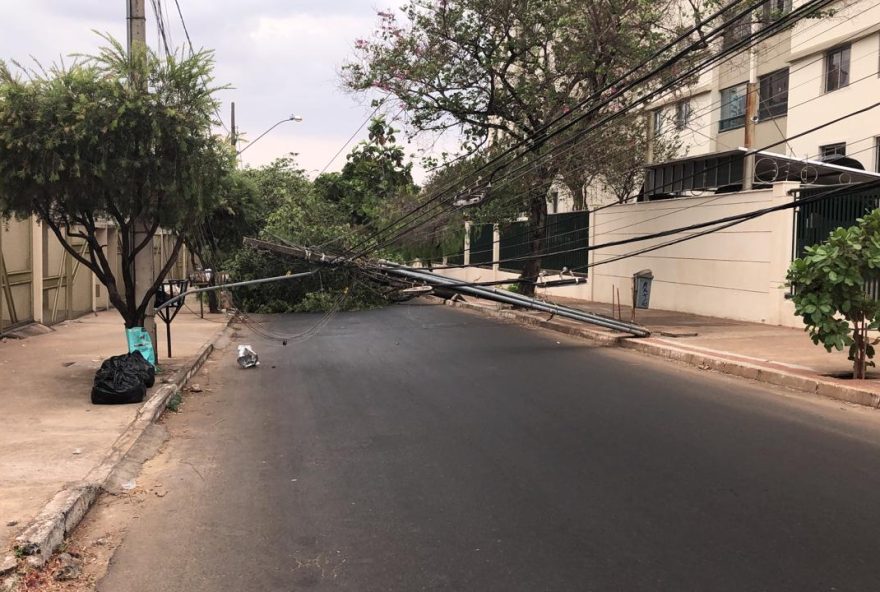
x: 819, y: 22
x: 809, y: 131
x: 352, y: 137
x: 753, y: 39
x: 510, y: 150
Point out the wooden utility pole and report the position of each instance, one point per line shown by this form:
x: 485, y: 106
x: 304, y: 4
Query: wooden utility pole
x: 144, y: 263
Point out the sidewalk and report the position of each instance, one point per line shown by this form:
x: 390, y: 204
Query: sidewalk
x: 771, y: 354
x: 50, y: 433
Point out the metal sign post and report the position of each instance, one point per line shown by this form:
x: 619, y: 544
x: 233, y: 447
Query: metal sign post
x: 169, y: 290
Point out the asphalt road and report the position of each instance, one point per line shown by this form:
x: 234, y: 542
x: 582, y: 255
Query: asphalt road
x: 423, y: 448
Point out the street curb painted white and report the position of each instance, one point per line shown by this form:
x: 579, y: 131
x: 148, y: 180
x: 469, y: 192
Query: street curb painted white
x: 60, y: 516
x: 703, y: 360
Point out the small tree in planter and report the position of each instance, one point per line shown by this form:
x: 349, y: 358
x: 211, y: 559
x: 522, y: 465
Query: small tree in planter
x: 829, y: 284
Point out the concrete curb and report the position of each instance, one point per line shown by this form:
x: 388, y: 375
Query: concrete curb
x: 60, y: 516
x: 768, y: 375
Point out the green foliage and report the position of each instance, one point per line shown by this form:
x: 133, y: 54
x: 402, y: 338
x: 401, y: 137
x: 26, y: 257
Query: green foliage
x: 829, y: 290
x: 275, y: 297
x: 112, y: 137
x: 374, y: 173
x: 499, y: 72
x: 482, y: 65
x: 355, y: 296
x: 317, y: 293
x: 174, y: 402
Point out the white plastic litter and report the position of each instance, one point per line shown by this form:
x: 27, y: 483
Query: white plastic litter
x: 247, y: 357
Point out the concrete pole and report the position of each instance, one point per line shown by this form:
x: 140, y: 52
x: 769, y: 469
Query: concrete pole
x: 232, y: 137
x: 467, y: 243
x: 137, y: 23
x: 751, y: 115
x: 144, y: 262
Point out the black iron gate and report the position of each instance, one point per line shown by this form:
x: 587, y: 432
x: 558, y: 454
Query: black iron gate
x: 816, y: 220
x: 568, y: 235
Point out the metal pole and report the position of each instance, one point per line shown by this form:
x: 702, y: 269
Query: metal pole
x: 168, y: 332
x: 236, y: 285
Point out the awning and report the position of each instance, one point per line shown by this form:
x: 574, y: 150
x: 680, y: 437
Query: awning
x: 722, y: 171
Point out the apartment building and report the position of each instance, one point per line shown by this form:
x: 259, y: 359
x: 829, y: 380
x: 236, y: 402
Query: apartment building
x: 835, y: 71
x: 823, y: 69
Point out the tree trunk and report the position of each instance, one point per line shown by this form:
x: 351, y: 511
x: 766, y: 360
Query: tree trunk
x: 861, y: 343
x: 538, y: 238
x: 213, y: 300
x: 580, y: 196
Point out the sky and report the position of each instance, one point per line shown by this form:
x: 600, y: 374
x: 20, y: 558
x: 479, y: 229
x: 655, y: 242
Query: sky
x: 281, y: 57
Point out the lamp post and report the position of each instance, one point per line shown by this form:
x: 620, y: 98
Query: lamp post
x: 296, y: 118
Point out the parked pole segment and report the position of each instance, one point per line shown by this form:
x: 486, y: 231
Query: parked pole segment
x: 516, y: 300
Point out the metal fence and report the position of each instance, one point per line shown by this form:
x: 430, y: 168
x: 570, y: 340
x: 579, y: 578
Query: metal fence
x: 565, y: 232
x: 816, y: 220
x: 482, y: 244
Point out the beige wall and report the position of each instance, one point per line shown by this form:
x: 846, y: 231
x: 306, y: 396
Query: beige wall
x: 46, y: 284
x: 16, y: 303
x: 738, y: 273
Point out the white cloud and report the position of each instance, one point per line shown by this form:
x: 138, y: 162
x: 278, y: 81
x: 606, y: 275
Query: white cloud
x: 280, y: 57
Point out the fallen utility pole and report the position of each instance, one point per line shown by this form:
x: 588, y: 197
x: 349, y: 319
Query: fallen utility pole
x: 456, y: 286
x: 516, y: 299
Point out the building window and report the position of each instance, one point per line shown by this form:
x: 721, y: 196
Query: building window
x: 837, y: 68
x: 682, y: 114
x: 658, y: 122
x: 736, y: 31
x: 733, y: 107
x: 838, y: 149
x: 773, y: 93
x: 773, y: 10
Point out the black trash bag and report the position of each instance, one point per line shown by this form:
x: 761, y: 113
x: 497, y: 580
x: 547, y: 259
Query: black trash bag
x: 146, y: 369
x: 122, y: 379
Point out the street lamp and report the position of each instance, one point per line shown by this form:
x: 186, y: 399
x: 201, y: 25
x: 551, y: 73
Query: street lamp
x: 296, y: 118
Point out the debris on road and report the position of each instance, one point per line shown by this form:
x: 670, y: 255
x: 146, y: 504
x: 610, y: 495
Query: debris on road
x: 69, y: 567
x: 247, y: 357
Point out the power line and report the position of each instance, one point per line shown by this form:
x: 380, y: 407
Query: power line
x: 819, y: 22
x: 756, y: 151
x: 777, y: 26
x: 183, y: 24
x: 512, y: 149
x: 352, y: 137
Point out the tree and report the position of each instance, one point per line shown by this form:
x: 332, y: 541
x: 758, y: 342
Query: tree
x: 112, y: 137
x: 503, y: 70
x: 374, y: 173
x: 615, y: 160
x: 829, y: 284
x: 300, y: 212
